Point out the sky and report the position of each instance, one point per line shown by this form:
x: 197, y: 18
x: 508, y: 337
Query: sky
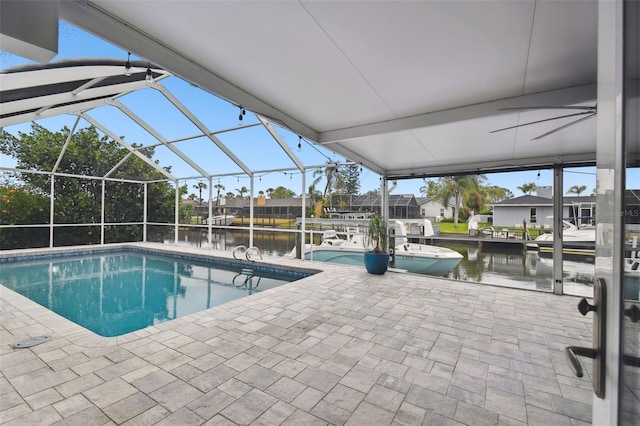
x: 253, y: 145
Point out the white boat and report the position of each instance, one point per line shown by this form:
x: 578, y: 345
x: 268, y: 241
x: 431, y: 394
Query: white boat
x: 412, y: 257
x: 220, y: 220
x: 575, y: 240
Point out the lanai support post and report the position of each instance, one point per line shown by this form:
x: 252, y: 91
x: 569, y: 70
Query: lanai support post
x: 384, y: 200
x: 177, y: 214
x: 144, y: 212
x: 210, y: 220
x: 102, y: 203
x: 304, y: 213
x: 52, y: 194
x: 251, y: 181
x: 557, y: 230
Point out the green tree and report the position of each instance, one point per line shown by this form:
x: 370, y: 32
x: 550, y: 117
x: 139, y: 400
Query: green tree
x: 282, y: 192
x: 577, y: 189
x: 186, y: 211
x: 230, y: 195
x: 372, y: 193
x: 460, y: 188
x: 219, y: 188
x: 242, y: 191
x: 429, y: 189
x: 528, y: 188
x: 314, y: 194
x: 328, y: 172
x: 19, y: 206
x: 78, y: 200
x: 200, y: 186
x: 495, y: 194
x: 351, y: 177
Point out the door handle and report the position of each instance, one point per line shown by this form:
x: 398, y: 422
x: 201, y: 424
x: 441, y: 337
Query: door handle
x: 572, y: 354
x: 597, y: 353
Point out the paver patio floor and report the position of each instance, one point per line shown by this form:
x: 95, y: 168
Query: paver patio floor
x: 341, y: 347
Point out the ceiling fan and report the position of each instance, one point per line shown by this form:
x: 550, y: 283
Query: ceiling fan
x: 585, y: 113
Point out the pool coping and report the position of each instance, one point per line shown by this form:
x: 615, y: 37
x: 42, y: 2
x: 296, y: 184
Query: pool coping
x: 58, y: 326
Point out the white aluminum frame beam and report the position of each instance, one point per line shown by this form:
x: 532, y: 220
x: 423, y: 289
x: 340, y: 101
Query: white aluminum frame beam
x: 128, y: 147
x: 200, y: 125
x: 158, y: 136
x: 66, y: 144
x: 569, y: 96
x: 49, y: 108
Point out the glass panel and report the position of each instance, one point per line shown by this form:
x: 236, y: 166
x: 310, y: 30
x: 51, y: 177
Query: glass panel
x: 630, y: 390
x: 579, y: 231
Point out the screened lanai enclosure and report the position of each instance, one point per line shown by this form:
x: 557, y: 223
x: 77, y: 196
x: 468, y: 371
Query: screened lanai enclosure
x: 118, y: 169
x: 407, y: 89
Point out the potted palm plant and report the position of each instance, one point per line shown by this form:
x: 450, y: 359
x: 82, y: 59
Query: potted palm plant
x: 376, y: 256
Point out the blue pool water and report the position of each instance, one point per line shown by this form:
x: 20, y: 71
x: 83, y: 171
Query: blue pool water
x: 115, y: 293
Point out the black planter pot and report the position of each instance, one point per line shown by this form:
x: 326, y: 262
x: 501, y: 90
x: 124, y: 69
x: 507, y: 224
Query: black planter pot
x: 376, y: 263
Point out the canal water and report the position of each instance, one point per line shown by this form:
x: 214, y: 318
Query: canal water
x: 481, y: 265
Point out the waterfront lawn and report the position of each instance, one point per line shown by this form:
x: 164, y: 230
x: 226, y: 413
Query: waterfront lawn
x: 447, y: 228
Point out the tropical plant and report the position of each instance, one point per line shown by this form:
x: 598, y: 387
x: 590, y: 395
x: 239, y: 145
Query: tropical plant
x: 219, y: 187
x: 282, y: 192
x: 528, y: 188
x: 328, y: 172
x: 314, y: 194
x: 577, y: 189
x: 460, y: 188
x: 200, y: 186
x: 242, y: 191
x: 429, y: 189
x: 495, y: 194
x: 78, y: 199
x: 377, y: 235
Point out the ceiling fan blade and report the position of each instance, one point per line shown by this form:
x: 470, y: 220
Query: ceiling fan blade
x: 585, y: 108
x: 564, y: 126
x: 542, y: 121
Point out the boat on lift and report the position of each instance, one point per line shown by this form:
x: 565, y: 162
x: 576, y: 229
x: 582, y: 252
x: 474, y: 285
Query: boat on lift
x: 576, y: 240
x: 411, y: 257
x: 220, y: 219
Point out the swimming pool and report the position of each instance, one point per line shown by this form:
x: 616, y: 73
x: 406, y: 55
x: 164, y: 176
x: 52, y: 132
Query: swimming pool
x: 114, y: 293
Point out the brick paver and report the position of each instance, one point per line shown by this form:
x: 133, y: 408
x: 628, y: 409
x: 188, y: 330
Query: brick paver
x: 341, y: 347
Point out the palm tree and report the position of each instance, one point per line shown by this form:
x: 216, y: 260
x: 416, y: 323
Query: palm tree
x: 429, y: 189
x: 242, y: 191
x: 314, y: 194
x: 327, y: 172
x: 577, y: 189
x: 219, y: 187
x: 200, y: 186
x: 270, y: 192
x: 459, y: 187
x: 528, y: 188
